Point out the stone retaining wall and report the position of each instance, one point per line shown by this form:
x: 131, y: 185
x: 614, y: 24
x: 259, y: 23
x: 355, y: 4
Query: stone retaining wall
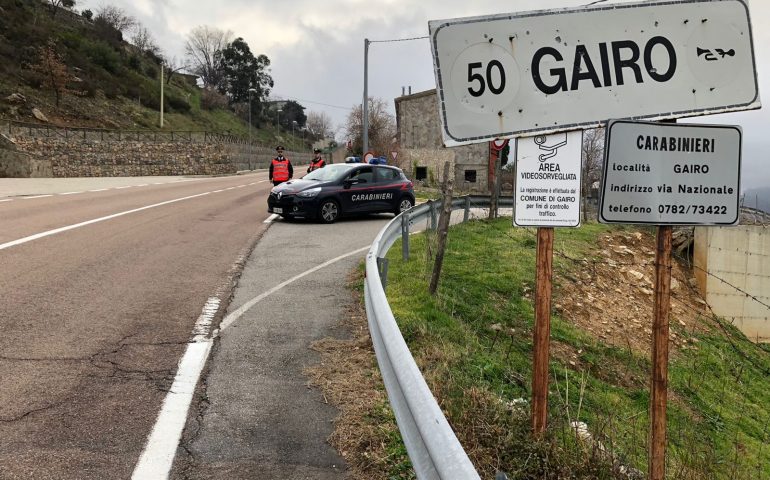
x: 44, y: 151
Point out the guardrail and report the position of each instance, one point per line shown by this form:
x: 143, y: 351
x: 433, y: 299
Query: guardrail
x: 430, y: 442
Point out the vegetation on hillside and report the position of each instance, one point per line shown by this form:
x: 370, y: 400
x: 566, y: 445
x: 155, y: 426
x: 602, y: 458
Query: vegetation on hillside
x: 103, y: 69
x: 473, y: 343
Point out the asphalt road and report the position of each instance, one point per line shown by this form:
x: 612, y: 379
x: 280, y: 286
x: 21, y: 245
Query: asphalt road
x: 109, y: 284
x: 100, y: 292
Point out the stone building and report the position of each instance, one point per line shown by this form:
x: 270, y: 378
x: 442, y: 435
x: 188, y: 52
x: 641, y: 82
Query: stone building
x: 422, y: 154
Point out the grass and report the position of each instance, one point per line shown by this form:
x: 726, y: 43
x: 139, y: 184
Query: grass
x: 473, y: 342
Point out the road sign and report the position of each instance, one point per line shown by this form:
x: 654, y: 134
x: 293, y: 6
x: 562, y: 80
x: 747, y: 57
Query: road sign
x: 547, y: 190
x: 671, y: 174
x: 394, y: 154
x: 368, y: 156
x: 546, y: 71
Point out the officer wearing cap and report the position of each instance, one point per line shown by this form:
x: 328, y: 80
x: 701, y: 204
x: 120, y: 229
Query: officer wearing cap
x: 317, y: 162
x: 280, y: 168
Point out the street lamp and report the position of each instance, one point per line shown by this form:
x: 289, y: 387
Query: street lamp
x: 251, y: 90
x: 293, y: 124
x: 279, y: 119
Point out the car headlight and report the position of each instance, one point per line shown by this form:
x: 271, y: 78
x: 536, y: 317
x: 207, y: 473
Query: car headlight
x: 310, y: 193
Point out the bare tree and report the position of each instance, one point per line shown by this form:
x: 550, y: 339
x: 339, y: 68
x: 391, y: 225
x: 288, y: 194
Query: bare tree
x: 116, y: 18
x: 143, y: 40
x: 382, y: 127
x: 593, y: 154
x: 172, y: 66
x: 320, y: 124
x: 54, y: 70
x: 203, y: 49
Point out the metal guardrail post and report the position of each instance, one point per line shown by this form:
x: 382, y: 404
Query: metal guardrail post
x: 467, y: 212
x: 382, y: 268
x: 405, y: 236
x: 433, y: 222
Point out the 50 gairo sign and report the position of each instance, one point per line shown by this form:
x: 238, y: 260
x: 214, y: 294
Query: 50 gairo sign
x: 539, y: 72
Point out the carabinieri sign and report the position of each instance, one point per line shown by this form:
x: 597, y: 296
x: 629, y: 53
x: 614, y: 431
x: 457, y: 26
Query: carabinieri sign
x: 547, y: 71
x: 671, y: 174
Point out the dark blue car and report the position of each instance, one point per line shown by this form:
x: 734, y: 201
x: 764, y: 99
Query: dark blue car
x: 343, y: 189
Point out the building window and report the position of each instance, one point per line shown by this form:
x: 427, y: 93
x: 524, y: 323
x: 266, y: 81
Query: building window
x: 421, y: 173
x: 470, y: 176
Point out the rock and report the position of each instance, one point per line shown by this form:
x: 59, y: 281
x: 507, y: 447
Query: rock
x: 634, y: 275
x: 39, y: 115
x: 16, y: 98
x: 647, y: 291
x: 674, y: 284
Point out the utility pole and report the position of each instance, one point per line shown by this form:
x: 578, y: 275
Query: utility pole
x: 251, y: 90
x: 365, y: 119
x: 161, y: 94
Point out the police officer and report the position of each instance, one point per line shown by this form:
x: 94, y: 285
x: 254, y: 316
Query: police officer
x: 317, y: 162
x: 280, y: 168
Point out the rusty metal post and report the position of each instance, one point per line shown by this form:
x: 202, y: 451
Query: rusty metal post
x: 542, y: 335
x: 659, y: 381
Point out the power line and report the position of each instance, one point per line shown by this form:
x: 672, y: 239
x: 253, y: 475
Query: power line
x: 281, y: 97
x: 398, y: 40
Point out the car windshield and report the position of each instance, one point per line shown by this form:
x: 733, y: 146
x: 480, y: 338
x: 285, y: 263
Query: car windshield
x: 329, y: 172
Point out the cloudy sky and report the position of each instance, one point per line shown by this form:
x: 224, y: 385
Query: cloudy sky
x: 317, y: 49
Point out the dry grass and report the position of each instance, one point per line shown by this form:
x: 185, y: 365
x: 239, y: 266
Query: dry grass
x: 349, y: 379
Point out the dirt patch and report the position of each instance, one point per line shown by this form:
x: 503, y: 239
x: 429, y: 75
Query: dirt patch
x: 611, y: 296
x: 349, y: 378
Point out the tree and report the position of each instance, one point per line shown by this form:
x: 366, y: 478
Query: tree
x: 203, y: 50
x: 143, y: 40
x: 320, y: 125
x: 241, y: 71
x: 382, y: 127
x: 55, y: 74
x: 56, y: 4
x: 116, y: 18
x: 171, y: 66
x: 593, y: 153
x: 293, y: 112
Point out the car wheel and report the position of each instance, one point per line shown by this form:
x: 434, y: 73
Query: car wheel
x: 329, y: 211
x: 403, y: 205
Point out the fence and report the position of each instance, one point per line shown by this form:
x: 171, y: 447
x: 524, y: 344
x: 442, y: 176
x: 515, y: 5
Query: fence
x: 36, y: 130
x: 433, y: 447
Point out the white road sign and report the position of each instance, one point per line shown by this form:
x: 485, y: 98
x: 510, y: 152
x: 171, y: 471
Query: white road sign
x: 546, y: 71
x: 547, y: 187
x: 671, y: 174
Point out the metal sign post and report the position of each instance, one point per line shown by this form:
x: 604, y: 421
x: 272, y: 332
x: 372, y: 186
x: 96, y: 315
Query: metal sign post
x: 659, y: 380
x: 542, y: 336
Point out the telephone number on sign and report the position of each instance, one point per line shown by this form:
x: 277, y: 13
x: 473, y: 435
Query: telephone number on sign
x: 693, y: 209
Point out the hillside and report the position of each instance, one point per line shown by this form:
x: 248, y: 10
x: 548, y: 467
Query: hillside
x: 473, y: 343
x: 109, y: 82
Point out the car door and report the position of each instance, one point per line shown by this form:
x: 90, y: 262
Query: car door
x: 388, y: 185
x: 356, y: 189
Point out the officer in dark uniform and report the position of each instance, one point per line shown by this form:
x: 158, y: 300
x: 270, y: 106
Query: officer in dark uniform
x: 317, y: 162
x: 280, y: 168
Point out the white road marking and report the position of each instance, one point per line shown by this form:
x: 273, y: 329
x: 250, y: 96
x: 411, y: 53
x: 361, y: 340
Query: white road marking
x: 99, y: 190
x: 158, y: 455
x: 271, y: 218
x: 96, y: 220
x: 7, y: 200
x: 36, y: 196
x: 142, y: 184
x: 70, y: 193
x: 89, y: 222
x: 228, y: 320
x: 125, y: 186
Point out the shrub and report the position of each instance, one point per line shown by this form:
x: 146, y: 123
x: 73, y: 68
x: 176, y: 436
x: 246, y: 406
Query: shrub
x: 211, y: 100
x: 103, y: 55
x: 87, y: 14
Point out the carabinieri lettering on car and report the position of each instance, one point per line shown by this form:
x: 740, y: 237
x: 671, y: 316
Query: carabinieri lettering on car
x: 372, y: 196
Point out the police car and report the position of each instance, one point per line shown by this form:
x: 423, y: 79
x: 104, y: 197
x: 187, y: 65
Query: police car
x: 343, y: 189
